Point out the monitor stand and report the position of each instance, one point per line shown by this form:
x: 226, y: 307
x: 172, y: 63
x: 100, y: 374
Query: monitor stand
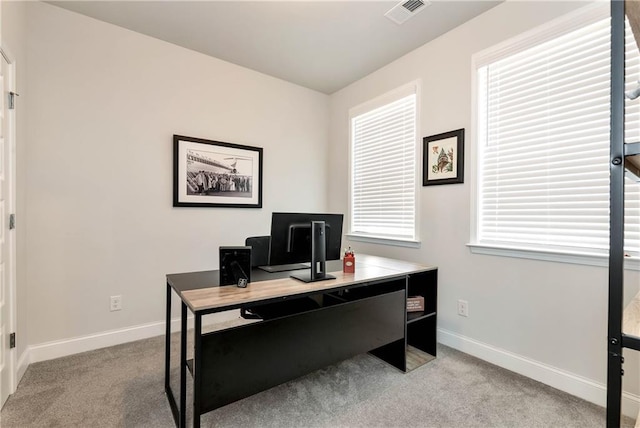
x: 308, y: 277
x: 318, y: 270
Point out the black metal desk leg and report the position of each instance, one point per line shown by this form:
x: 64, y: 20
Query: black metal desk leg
x: 197, y: 364
x: 167, y: 343
x: 167, y: 362
x: 183, y: 366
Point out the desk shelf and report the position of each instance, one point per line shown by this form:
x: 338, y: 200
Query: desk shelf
x: 421, y: 326
x: 417, y: 316
x: 416, y: 358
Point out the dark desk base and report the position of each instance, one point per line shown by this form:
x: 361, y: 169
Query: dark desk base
x: 245, y: 360
x: 259, y: 356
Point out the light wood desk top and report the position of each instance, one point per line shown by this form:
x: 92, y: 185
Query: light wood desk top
x: 201, y: 297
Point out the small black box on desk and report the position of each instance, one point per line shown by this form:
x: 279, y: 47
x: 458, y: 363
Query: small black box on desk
x: 235, y: 266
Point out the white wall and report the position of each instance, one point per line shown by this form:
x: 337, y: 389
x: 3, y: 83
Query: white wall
x: 104, y: 104
x: 539, y: 318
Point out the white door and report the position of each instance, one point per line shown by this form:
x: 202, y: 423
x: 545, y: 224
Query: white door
x: 6, y: 353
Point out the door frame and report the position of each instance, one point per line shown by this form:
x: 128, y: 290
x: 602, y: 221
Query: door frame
x: 11, y: 209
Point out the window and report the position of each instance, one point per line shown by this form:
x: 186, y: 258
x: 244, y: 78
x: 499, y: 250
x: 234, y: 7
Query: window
x: 543, y: 140
x: 383, y: 168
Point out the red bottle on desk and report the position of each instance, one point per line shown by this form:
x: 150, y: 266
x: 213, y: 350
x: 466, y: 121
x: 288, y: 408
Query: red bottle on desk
x: 349, y: 262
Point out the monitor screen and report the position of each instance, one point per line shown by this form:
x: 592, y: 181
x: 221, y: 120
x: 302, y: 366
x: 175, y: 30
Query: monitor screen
x: 291, y: 237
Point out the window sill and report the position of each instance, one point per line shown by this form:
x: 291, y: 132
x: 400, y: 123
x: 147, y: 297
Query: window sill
x: 580, y: 258
x: 384, y: 241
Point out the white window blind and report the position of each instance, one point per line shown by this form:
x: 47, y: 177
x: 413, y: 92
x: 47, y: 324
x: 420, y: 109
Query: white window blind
x: 543, y: 136
x: 383, y: 177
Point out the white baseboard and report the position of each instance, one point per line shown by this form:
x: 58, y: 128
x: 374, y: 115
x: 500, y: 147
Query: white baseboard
x: 75, y: 345
x: 573, y: 384
x: 23, y: 363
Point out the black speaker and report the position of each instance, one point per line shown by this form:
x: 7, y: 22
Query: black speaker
x: 235, y: 266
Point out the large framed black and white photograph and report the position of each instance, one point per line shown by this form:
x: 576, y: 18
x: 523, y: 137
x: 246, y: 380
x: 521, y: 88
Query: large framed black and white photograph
x: 210, y: 173
x: 443, y: 158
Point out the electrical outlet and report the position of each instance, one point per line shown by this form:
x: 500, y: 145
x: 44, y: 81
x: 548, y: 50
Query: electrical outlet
x: 116, y: 303
x: 463, y: 308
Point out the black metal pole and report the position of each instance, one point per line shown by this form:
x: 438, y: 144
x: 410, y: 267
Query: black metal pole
x: 167, y: 341
x: 167, y: 362
x: 197, y: 370
x: 631, y: 342
x: 183, y: 366
x: 616, y: 240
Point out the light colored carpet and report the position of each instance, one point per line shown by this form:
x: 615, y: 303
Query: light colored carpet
x: 123, y: 386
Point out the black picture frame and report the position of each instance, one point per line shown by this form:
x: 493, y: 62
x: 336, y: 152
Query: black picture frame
x: 235, y: 265
x: 208, y: 173
x: 443, y: 158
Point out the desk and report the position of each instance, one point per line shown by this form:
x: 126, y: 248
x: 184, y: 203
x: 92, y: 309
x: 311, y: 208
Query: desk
x: 359, y: 312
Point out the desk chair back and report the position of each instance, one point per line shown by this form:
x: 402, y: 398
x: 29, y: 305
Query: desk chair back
x: 259, y: 250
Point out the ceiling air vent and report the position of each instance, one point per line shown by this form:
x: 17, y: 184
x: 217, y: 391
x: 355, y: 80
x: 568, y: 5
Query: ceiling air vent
x: 405, y: 10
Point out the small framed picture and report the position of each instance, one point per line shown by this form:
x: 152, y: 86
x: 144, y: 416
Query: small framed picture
x: 443, y: 158
x: 210, y: 173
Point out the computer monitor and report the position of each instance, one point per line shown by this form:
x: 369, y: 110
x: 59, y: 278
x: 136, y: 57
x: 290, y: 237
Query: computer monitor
x: 291, y: 239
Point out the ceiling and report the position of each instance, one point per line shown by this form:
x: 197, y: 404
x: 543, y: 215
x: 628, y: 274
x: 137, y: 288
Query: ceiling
x: 321, y: 45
